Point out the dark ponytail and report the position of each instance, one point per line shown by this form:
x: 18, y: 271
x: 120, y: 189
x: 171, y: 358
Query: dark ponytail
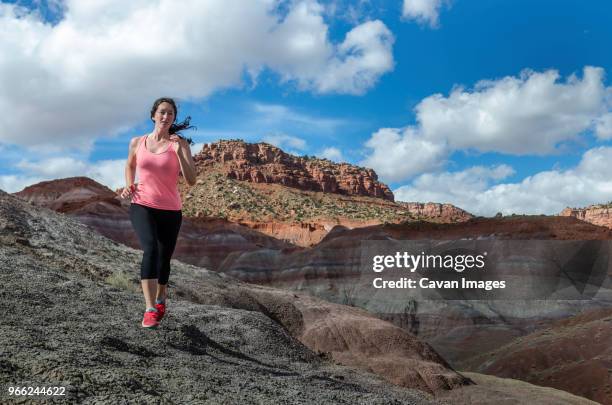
x: 175, y: 127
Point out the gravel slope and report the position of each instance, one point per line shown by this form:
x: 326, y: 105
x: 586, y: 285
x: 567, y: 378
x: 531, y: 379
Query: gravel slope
x: 62, y: 326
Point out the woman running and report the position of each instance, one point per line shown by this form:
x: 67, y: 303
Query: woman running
x: 155, y: 209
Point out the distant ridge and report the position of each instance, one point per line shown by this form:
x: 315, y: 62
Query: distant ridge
x: 599, y: 214
x: 259, y: 185
x: 265, y: 163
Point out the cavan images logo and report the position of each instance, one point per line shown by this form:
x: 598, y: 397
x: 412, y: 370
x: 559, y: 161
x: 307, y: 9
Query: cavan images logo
x: 487, y: 269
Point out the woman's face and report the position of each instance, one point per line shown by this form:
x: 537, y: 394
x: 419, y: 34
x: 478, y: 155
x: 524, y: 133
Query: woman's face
x: 164, y: 115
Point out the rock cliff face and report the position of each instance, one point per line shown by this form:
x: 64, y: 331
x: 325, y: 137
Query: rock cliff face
x: 264, y: 163
x: 596, y: 214
x: 437, y: 212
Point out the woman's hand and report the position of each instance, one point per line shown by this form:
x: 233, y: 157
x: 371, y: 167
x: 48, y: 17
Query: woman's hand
x: 185, y: 159
x: 182, y: 144
x: 127, y: 192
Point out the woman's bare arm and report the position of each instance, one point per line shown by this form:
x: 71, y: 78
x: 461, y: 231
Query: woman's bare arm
x: 130, y: 168
x: 186, y: 162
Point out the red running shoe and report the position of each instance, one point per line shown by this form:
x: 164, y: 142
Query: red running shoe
x: 161, y: 311
x: 150, y: 320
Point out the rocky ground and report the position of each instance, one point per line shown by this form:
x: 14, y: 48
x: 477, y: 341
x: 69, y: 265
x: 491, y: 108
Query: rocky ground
x: 63, y: 326
x: 62, y: 329
x: 505, y: 391
x: 71, y: 313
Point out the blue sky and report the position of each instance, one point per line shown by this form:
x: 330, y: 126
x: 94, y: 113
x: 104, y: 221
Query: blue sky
x: 394, y: 85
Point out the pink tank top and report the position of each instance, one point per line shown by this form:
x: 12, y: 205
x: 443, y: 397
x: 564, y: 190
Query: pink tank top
x: 158, y: 175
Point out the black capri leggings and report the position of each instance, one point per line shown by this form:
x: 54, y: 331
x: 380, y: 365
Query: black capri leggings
x: 157, y: 232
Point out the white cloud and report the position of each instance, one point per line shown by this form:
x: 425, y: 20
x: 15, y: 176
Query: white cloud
x: 278, y: 116
x: 456, y: 187
x: 547, y: 192
x: 530, y: 114
x: 423, y: 11
x: 107, y: 172
x: 362, y: 58
x: 352, y: 11
x: 97, y: 70
x: 12, y: 183
x: 603, y: 127
x: 399, y: 154
x: 284, y: 141
x: 197, y: 147
x: 332, y: 153
x: 54, y: 167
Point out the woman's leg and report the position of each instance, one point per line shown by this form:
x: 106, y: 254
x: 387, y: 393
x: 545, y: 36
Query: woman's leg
x: 168, y: 225
x: 143, y: 222
x: 149, y: 288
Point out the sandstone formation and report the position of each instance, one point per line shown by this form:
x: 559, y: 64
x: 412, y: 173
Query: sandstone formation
x: 339, y: 252
x: 595, y: 214
x: 252, y: 183
x: 298, y: 201
x: 88, y: 201
x: 299, y: 216
x: 265, y: 163
x: 445, y: 213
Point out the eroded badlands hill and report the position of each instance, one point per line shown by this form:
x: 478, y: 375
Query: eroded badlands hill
x: 71, y: 318
x: 462, y: 329
x: 202, y: 241
x: 574, y: 354
x: 58, y: 306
